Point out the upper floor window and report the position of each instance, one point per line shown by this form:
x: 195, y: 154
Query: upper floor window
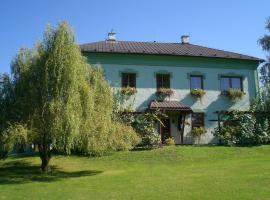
x: 227, y: 83
x: 197, y: 120
x: 196, y: 82
x: 129, y: 80
x: 163, y: 81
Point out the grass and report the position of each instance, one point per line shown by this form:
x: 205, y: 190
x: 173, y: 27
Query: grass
x: 183, y: 172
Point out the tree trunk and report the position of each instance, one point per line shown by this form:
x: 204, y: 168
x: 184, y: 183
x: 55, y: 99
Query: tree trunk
x: 45, y: 156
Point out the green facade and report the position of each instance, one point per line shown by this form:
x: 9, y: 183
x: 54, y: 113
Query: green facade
x: 180, y: 68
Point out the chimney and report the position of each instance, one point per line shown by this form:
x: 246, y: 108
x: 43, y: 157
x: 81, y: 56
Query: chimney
x: 111, y: 36
x: 185, y: 39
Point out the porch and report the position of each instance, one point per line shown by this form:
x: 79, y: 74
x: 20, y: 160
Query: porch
x: 173, y: 126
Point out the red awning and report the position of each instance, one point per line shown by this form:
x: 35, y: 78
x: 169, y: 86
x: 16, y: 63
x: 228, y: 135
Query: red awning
x: 169, y: 106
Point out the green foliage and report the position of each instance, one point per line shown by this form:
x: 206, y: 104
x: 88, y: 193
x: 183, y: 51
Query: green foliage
x: 243, y: 129
x: 169, y: 142
x: 14, y: 134
x: 123, y: 137
x: 265, y: 68
x: 128, y: 91
x: 197, y: 131
x: 235, y: 94
x: 145, y: 126
x: 65, y: 103
x: 250, y: 128
x: 197, y: 93
x: 7, y: 99
x: 143, y: 123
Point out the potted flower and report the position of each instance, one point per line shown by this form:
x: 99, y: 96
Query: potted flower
x: 164, y: 92
x: 235, y: 94
x: 199, y: 93
x: 128, y: 91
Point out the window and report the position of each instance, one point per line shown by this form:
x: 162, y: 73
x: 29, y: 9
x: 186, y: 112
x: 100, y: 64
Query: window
x: 197, y: 120
x: 196, y: 82
x: 230, y: 83
x: 129, y: 80
x: 163, y: 81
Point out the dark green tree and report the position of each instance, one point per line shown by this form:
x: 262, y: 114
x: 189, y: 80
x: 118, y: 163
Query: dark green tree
x: 265, y: 68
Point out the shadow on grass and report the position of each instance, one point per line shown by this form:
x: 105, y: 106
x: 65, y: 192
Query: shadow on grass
x: 20, y: 172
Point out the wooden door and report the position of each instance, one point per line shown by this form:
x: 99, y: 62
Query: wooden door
x: 165, y: 129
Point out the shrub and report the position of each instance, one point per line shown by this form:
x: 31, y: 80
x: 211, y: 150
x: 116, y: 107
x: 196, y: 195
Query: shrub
x: 144, y: 124
x: 128, y: 91
x: 169, y: 142
x: 235, y: 94
x: 197, y: 131
x: 14, y: 134
x: 243, y: 129
x: 197, y: 93
x: 123, y: 137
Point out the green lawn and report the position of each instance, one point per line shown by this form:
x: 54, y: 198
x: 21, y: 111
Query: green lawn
x: 167, y: 173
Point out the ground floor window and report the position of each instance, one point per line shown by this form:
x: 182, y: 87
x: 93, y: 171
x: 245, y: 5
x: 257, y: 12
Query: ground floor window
x: 197, y: 120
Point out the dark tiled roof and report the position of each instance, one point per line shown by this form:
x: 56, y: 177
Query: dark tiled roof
x: 169, y: 105
x: 155, y: 48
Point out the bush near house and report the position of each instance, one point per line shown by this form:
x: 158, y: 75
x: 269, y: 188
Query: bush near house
x: 243, y: 129
x: 169, y: 142
x: 144, y: 125
x: 197, y: 132
x: 123, y: 137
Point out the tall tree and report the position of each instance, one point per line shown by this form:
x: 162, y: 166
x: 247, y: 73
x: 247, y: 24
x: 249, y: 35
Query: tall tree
x: 265, y: 43
x: 65, y: 104
x: 50, y: 87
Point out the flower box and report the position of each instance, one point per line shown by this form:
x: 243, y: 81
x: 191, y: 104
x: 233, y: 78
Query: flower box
x: 128, y: 91
x: 164, y: 92
x: 199, y: 93
x: 234, y: 94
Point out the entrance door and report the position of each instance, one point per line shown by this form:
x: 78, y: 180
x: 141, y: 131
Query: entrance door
x: 165, y: 130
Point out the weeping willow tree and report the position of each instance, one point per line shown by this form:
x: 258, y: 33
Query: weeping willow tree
x: 66, y: 104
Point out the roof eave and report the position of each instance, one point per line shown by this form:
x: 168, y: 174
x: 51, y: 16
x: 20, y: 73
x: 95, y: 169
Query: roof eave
x: 259, y: 60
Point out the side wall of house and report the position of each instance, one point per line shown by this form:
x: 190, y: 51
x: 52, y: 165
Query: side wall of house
x: 180, y: 68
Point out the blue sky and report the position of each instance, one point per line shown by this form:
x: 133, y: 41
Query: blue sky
x: 233, y: 25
